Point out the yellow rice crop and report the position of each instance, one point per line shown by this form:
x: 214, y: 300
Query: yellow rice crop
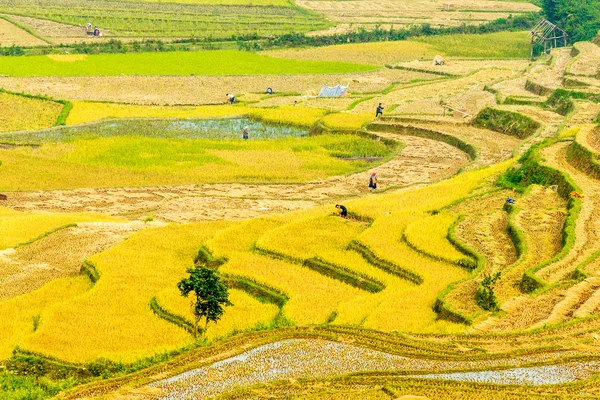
x: 114, y: 319
x: 347, y: 120
x: 18, y: 227
x: 68, y: 58
x: 301, y: 116
x: 305, y: 238
x: 242, y: 236
x: 408, y: 309
x: 313, y: 297
x: 571, y: 132
x: 429, y: 234
x: 17, y: 314
x: 83, y: 111
x: 102, y: 162
x: 23, y: 113
x: 246, y: 312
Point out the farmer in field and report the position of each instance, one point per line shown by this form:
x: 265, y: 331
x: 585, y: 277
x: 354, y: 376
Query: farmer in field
x: 269, y: 91
x: 379, y: 111
x: 373, y: 181
x: 245, y: 133
x: 343, y: 210
x: 230, y: 98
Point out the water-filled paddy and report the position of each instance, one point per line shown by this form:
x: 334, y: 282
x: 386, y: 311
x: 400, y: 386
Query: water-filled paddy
x: 216, y: 129
x: 304, y: 358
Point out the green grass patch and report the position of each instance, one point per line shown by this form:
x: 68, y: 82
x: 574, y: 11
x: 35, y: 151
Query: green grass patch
x: 506, y: 122
x: 218, y: 62
x: 17, y: 387
x: 489, y: 45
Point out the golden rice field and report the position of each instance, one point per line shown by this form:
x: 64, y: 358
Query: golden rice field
x: 396, y: 280
x: 113, y: 319
x: 23, y: 113
x: 83, y: 112
x: 19, y: 227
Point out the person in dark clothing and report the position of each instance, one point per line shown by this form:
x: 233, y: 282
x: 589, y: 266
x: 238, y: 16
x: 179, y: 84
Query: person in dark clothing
x: 230, y: 98
x: 379, y: 111
x: 373, y: 181
x: 245, y: 133
x: 269, y: 91
x: 343, y: 210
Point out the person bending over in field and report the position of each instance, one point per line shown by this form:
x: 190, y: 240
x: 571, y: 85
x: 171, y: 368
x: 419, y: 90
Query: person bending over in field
x: 230, y: 98
x: 343, y: 210
x: 379, y: 111
x: 245, y: 133
x: 269, y: 91
x: 373, y: 181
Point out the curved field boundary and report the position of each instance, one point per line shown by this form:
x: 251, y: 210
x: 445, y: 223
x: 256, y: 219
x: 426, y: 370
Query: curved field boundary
x: 427, y: 134
x: 585, y: 56
x: 205, y: 258
x: 467, y: 262
x: 64, y: 114
x: 408, y: 119
x: 89, y: 269
x: 391, y: 343
x: 62, y: 117
x: 506, y: 122
x: 422, y: 70
x: 171, y: 317
x: 45, y: 234
x: 260, y: 291
x: 534, y: 171
x: 384, y: 265
x: 515, y: 233
x: 441, y: 306
x: 329, y: 270
x: 538, y: 89
x: 582, y: 155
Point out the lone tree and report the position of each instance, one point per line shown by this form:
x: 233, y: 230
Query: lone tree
x: 210, y: 291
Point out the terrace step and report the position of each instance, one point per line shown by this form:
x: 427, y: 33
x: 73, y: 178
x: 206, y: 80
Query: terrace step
x: 510, y: 306
x: 551, y: 78
x: 590, y: 306
x: 587, y: 113
x: 573, y: 301
x: 587, y: 226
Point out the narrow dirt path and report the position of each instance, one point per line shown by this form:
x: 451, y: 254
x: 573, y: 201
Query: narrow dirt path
x: 421, y: 161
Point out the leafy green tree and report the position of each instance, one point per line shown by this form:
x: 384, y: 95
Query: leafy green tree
x: 549, y: 7
x: 580, y: 18
x: 210, y: 291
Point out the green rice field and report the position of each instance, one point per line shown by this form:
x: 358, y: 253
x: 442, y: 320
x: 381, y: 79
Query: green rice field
x: 221, y: 62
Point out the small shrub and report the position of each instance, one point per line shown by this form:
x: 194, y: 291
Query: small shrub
x: 485, y: 296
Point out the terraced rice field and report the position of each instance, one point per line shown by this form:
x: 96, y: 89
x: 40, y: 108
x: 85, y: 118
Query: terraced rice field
x: 104, y: 216
x: 150, y: 19
x: 406, y: 13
